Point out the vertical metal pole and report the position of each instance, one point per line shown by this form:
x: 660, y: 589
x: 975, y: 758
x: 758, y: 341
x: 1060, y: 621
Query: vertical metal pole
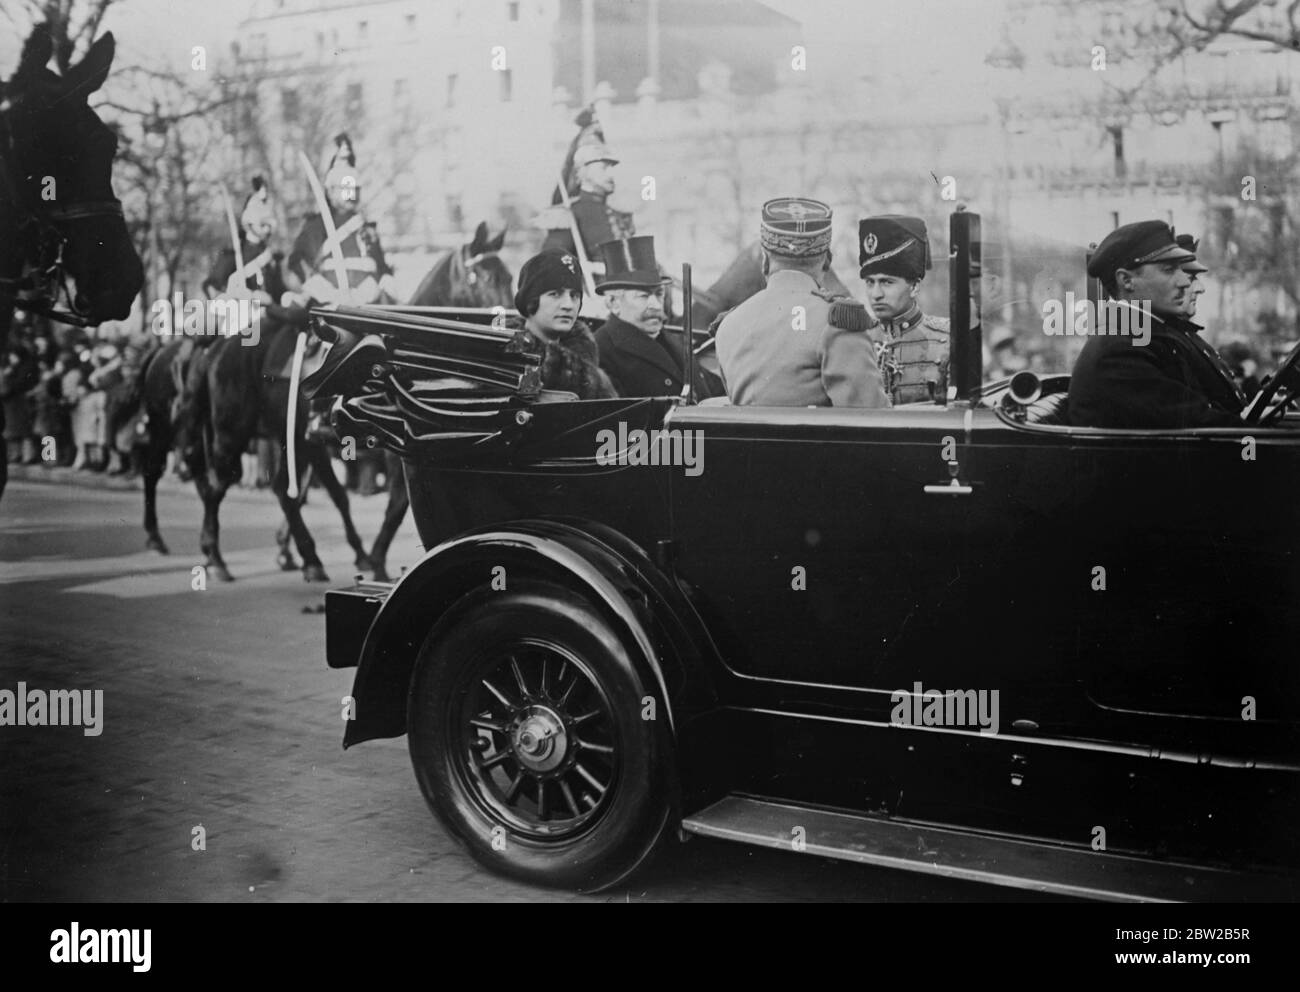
x: 652, y: 40
x: 966, y: 355
x: 588, y: 51
x: 688, y: 344
x: 1094, y: 285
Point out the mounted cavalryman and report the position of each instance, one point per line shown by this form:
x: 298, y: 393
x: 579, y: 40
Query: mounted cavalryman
x: 357, y: 239
x: 894, y: 255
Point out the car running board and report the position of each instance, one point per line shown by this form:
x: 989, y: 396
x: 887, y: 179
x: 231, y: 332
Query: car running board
x: 977, y: 857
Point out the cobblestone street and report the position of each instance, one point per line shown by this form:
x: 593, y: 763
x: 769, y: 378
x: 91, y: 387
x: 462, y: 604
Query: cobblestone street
x: 219, y: 711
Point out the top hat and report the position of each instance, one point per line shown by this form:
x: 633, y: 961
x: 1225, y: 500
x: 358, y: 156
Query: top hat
x: 630, y: 264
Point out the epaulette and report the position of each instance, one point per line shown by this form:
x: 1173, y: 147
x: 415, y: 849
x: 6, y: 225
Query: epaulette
x: 717, y: 321
x: 849, y: 315
x: 936, y: 323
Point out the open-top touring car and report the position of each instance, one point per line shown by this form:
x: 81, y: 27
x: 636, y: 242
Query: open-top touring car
x: 964, y: 637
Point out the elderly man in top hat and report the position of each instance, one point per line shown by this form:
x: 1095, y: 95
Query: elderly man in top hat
x: 793, y: 343
x: 1175, y: 379
x: 640, y: 355
x: 893, y: 257
x: 593, y: 165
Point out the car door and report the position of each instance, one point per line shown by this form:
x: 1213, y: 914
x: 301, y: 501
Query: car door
x: 1170, y: 605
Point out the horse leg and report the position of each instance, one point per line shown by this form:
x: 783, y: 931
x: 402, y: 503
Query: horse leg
x: 153, y: 461
x: 312, y: 569
x: 319, y: 457
x: 212, y: 490
x: 284, y: 557
x: 398, y: 500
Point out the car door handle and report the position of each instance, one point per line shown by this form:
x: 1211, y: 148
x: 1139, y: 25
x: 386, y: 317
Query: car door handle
x: 953, y: 488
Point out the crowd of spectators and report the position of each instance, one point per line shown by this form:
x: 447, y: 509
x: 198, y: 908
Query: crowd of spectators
x: 68, y: 402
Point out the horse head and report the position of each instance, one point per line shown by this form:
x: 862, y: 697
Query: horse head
x: 56, y: 191
x: 472, y: 275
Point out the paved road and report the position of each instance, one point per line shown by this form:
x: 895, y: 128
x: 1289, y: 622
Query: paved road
x: 219, y: 712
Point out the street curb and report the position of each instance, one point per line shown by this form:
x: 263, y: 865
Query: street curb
x: 64, y: 476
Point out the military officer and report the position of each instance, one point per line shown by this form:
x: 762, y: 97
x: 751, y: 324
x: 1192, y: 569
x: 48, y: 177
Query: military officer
x: 893, y: 257
x: 598, y: 222
x: 792, y: 343
x: 640, y: 354
x: 1175, y: 379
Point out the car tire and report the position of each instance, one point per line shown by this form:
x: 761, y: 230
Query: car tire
x: 528, y: 731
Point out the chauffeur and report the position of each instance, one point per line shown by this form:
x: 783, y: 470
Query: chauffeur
x: 894, y: 255
x: 792, y: 343
x: 1176, y: 380
x: 637, y: 352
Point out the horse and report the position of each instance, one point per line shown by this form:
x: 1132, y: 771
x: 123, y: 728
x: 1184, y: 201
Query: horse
x: 57, y: 209
x: 240, y: 391
x: 738, y: 282
x: 470, y: 276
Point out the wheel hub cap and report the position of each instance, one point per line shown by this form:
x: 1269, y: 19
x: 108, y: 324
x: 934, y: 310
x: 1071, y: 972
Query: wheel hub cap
x: 539, y: 739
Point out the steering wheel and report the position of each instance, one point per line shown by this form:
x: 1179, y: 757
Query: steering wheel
x: 1283, y: 387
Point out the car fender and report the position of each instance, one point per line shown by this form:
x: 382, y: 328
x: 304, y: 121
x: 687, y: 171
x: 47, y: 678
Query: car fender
x: 664, y: 637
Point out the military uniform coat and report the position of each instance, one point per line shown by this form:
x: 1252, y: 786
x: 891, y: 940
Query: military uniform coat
x: 1176, y: 380
x: 766, y: 361
x: 639, y: 365
x: 913, y: 354
x: 597, y: 223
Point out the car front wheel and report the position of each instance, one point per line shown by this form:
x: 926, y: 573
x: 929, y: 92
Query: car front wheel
x: 536, y: 742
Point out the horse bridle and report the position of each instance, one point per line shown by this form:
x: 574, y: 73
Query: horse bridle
x: 473, y: 262
x: 49, y: 280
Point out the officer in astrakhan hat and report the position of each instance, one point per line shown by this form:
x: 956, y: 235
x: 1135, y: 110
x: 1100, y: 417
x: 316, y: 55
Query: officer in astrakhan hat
x: 793, y: 343
x: 893, y: 257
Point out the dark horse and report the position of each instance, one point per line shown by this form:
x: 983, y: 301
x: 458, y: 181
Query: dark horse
x: 738, y: 282
x: 470, y: 276
x: 240, y: 391
x: 58, y: 214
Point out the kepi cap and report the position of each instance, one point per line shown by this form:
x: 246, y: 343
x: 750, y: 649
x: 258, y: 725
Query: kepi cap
x: 795, y: 227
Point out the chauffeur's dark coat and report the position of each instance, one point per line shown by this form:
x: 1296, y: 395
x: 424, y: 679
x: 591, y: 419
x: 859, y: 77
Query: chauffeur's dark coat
x: 639, y: 365
x: 1175, y: 380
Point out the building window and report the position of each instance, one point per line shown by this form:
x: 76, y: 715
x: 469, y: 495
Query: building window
x: 512, y: 11
x: 1117, y: 140
x: 290, y: 108
x: 410, y: 22
x: 352, y: 101
x: 363, y: 29
x: 401, y: 91
x: 451, y: 89
x: 506, y: 85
